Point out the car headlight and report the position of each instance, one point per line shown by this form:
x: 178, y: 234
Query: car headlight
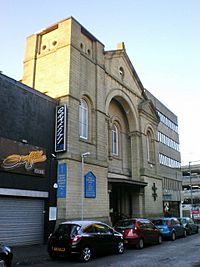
x: 8, y: 250
x: 49, y: 237
x: 120, y: 235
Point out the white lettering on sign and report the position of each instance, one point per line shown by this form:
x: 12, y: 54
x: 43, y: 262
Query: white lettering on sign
x: 60, y: 135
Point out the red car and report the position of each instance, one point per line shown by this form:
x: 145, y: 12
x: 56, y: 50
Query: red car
x: 139, y: 232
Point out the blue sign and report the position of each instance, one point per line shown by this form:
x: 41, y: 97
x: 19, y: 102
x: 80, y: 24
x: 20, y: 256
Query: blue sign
x: 90, y: 185
x: 61, y: 180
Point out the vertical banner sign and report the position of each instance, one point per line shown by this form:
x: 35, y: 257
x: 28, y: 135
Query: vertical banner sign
x: 90, y: 185
x: 61, y: 180
x: 60, y: 128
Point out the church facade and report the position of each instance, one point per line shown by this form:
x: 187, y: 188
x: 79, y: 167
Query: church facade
x: 106, y: 137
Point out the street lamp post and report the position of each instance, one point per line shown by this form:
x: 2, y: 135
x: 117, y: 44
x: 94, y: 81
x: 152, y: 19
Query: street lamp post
x: 83, y: 155
x: 191, y: 195
x: 190, y: 173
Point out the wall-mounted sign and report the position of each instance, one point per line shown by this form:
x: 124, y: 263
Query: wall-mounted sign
x: 61, y: 180
x: 60, y: 128
x: 22, y: 158
x: 52, y: 213
x: 90, y: 185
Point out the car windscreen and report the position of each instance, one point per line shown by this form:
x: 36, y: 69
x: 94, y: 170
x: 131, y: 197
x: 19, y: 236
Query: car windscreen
x: 68, y: 230
x: 125, y: 224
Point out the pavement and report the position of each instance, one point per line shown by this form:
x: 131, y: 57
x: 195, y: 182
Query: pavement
x: 30, y: 254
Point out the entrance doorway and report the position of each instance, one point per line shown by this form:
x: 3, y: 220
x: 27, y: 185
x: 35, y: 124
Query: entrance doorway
x: 123, y: 201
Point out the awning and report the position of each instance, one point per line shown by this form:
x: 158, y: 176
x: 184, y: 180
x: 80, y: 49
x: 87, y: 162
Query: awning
x: 126, y: 182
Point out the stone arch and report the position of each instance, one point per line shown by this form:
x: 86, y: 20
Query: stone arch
x: 124, y: 167
x: 116, y: 120
x: 148, y: 127
x: 88, y: 99
x: 128, y: 106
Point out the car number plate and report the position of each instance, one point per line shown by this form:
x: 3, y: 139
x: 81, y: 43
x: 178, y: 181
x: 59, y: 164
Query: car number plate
x: 59, y: 249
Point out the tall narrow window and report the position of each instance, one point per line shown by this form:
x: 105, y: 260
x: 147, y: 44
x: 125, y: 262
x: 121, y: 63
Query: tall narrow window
x: 83, y: 119
x: 150, y: 149
x: 115, y: 140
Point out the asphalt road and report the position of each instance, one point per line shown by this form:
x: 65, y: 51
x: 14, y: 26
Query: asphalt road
x: 183, y: 252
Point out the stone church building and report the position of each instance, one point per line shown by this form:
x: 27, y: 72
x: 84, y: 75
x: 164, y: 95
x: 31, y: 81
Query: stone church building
x: 109, y: 161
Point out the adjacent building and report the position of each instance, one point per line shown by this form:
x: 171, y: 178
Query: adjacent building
x: 27, y: 165
x: 117, y: 146
x: 191, y: 189
x: 169, y: 157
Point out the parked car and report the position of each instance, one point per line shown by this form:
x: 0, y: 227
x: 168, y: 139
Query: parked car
x: 6, y: 256
x: 189, y: 225
x: 170, y: 227
x: 84, y: 238
x: 139, y: 232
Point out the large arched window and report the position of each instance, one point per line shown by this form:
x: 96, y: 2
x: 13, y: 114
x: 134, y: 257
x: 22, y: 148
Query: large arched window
x: 150, y: 147
x: 83, y: 119
x: 115, y: 140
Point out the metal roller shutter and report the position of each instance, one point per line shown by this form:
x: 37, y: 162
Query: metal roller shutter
x: 21, y: 220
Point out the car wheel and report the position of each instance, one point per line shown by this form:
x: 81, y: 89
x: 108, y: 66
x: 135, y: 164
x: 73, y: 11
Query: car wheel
x: 140, y: 244
x: 197, y: 230
x: 2, y: 263
x: 85, y: 254
x: 189, y: 231
x: 159, y: 239
x: 184, y: 233
x: 173, y: 237
x: 120, y: 248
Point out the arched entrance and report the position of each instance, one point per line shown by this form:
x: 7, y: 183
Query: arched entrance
x: 126, y: 192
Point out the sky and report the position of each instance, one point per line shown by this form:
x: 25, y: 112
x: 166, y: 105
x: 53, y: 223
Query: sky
x: 162, y: 40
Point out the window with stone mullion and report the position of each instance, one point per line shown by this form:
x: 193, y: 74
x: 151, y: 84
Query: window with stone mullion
x: 83, y: 120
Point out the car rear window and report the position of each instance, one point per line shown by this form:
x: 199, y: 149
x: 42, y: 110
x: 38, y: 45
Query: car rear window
x: 68, y: 229
x: 125, y: 224
x: 159, y: 222
x: 183, y: 220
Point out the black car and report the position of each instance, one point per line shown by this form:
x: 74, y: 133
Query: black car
x: 84, y: 238
x: 5, y: 256
x: 189, y: 225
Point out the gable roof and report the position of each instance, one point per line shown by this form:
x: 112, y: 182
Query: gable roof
x: 147, y: 107
x: 121, y: 53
